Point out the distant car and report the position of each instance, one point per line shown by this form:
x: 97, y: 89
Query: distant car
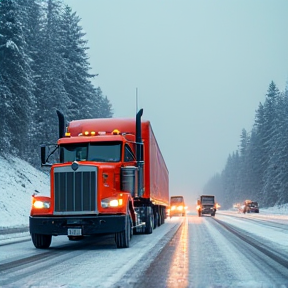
x: 249, y: 207
x: 253, y: 207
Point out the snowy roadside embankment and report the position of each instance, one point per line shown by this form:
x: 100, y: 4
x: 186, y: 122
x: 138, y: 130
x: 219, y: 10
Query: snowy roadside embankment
x: 19, y: 180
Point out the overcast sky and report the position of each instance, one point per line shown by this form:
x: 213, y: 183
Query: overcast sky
x: 201, y: 68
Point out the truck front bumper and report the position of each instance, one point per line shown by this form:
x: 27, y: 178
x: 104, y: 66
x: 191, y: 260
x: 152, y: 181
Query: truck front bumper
x: 208, y: 210
x: 89, y: 225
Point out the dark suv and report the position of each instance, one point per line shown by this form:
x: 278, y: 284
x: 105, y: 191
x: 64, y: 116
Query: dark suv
x: 252, y: 207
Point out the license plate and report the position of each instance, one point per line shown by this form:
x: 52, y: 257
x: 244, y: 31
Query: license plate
x: 74, y: 231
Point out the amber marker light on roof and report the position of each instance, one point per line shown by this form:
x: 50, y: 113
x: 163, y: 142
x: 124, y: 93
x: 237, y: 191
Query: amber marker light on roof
x: 115, y: 132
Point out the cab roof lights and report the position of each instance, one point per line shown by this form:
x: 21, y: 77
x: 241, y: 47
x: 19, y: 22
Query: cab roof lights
x: 94, y: 133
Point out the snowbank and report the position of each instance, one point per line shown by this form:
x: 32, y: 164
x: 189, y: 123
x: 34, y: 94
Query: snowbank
x: 19, y: 180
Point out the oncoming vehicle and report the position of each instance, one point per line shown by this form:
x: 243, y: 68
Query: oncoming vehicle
x: 206, y: 204
x: 177, y: 206
x: 250, y: 207
x: 253, y: 207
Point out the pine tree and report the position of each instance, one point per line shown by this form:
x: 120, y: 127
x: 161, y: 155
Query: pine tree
x: 16, y: 77
x: 269, y: 139
x: 6, y: 99
x: 32, y: 31
x: 51, y: 93
x: 230, y: 180
x: 254, y: 168
x: 76, y: 76
x: 104, y: 109
x: 86, y: 101
x: 243, y: 172
x: 44, y: 66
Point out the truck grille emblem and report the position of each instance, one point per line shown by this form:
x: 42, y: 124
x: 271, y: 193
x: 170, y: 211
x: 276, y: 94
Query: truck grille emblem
x: 75, y: 166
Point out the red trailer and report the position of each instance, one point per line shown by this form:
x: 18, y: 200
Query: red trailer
x: 110, y: 178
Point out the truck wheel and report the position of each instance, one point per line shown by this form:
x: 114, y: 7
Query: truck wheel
x: 122, y: 238
x: 131, y: 227
x: 163, y: 216
x: 159, y: 219
x: 156, y: 220
x: 41, y: 241
x: 149, y: 224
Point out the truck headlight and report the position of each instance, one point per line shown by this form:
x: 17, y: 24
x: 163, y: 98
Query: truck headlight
x: 111, y: 202
x: 41, y: 204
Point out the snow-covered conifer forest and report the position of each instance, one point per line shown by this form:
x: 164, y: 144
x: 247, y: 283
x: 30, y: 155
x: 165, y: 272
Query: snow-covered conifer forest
x: 44, y: 66
x: 258, y: 169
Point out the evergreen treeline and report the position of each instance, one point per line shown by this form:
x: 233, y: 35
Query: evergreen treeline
x: 43, y: 67
x: 258, y: 170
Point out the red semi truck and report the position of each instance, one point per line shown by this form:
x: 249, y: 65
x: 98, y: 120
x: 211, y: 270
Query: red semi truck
x: 110, y: 177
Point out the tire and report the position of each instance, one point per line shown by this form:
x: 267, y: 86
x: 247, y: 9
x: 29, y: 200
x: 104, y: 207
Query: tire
x: 156, y: 220
x: 163, y: 213
x: 122, y: 238
x: 131, y: 228
x: 41, y: 241
x: 149, y: 224
x: 159, y: 219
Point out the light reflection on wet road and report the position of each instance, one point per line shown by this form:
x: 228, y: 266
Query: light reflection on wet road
x: 171, y: 266
x: 178, y: 272
x: 203, y: 254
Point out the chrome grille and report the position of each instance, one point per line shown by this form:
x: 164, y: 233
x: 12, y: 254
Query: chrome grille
x: 75, y: 191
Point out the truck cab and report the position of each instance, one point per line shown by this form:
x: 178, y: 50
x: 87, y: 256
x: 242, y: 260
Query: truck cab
x: 206, y: 204
x: 177, y: 206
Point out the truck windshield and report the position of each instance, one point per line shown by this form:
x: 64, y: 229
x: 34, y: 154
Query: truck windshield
x: 96, y: 151
x: 253, y: 204
x: 207, y: 200
x: 176, y: 200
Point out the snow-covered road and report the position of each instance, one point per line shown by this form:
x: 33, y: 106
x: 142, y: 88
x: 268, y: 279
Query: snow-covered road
x: 92, y: 262
x: 219, y: 257
x: 232, y: 250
